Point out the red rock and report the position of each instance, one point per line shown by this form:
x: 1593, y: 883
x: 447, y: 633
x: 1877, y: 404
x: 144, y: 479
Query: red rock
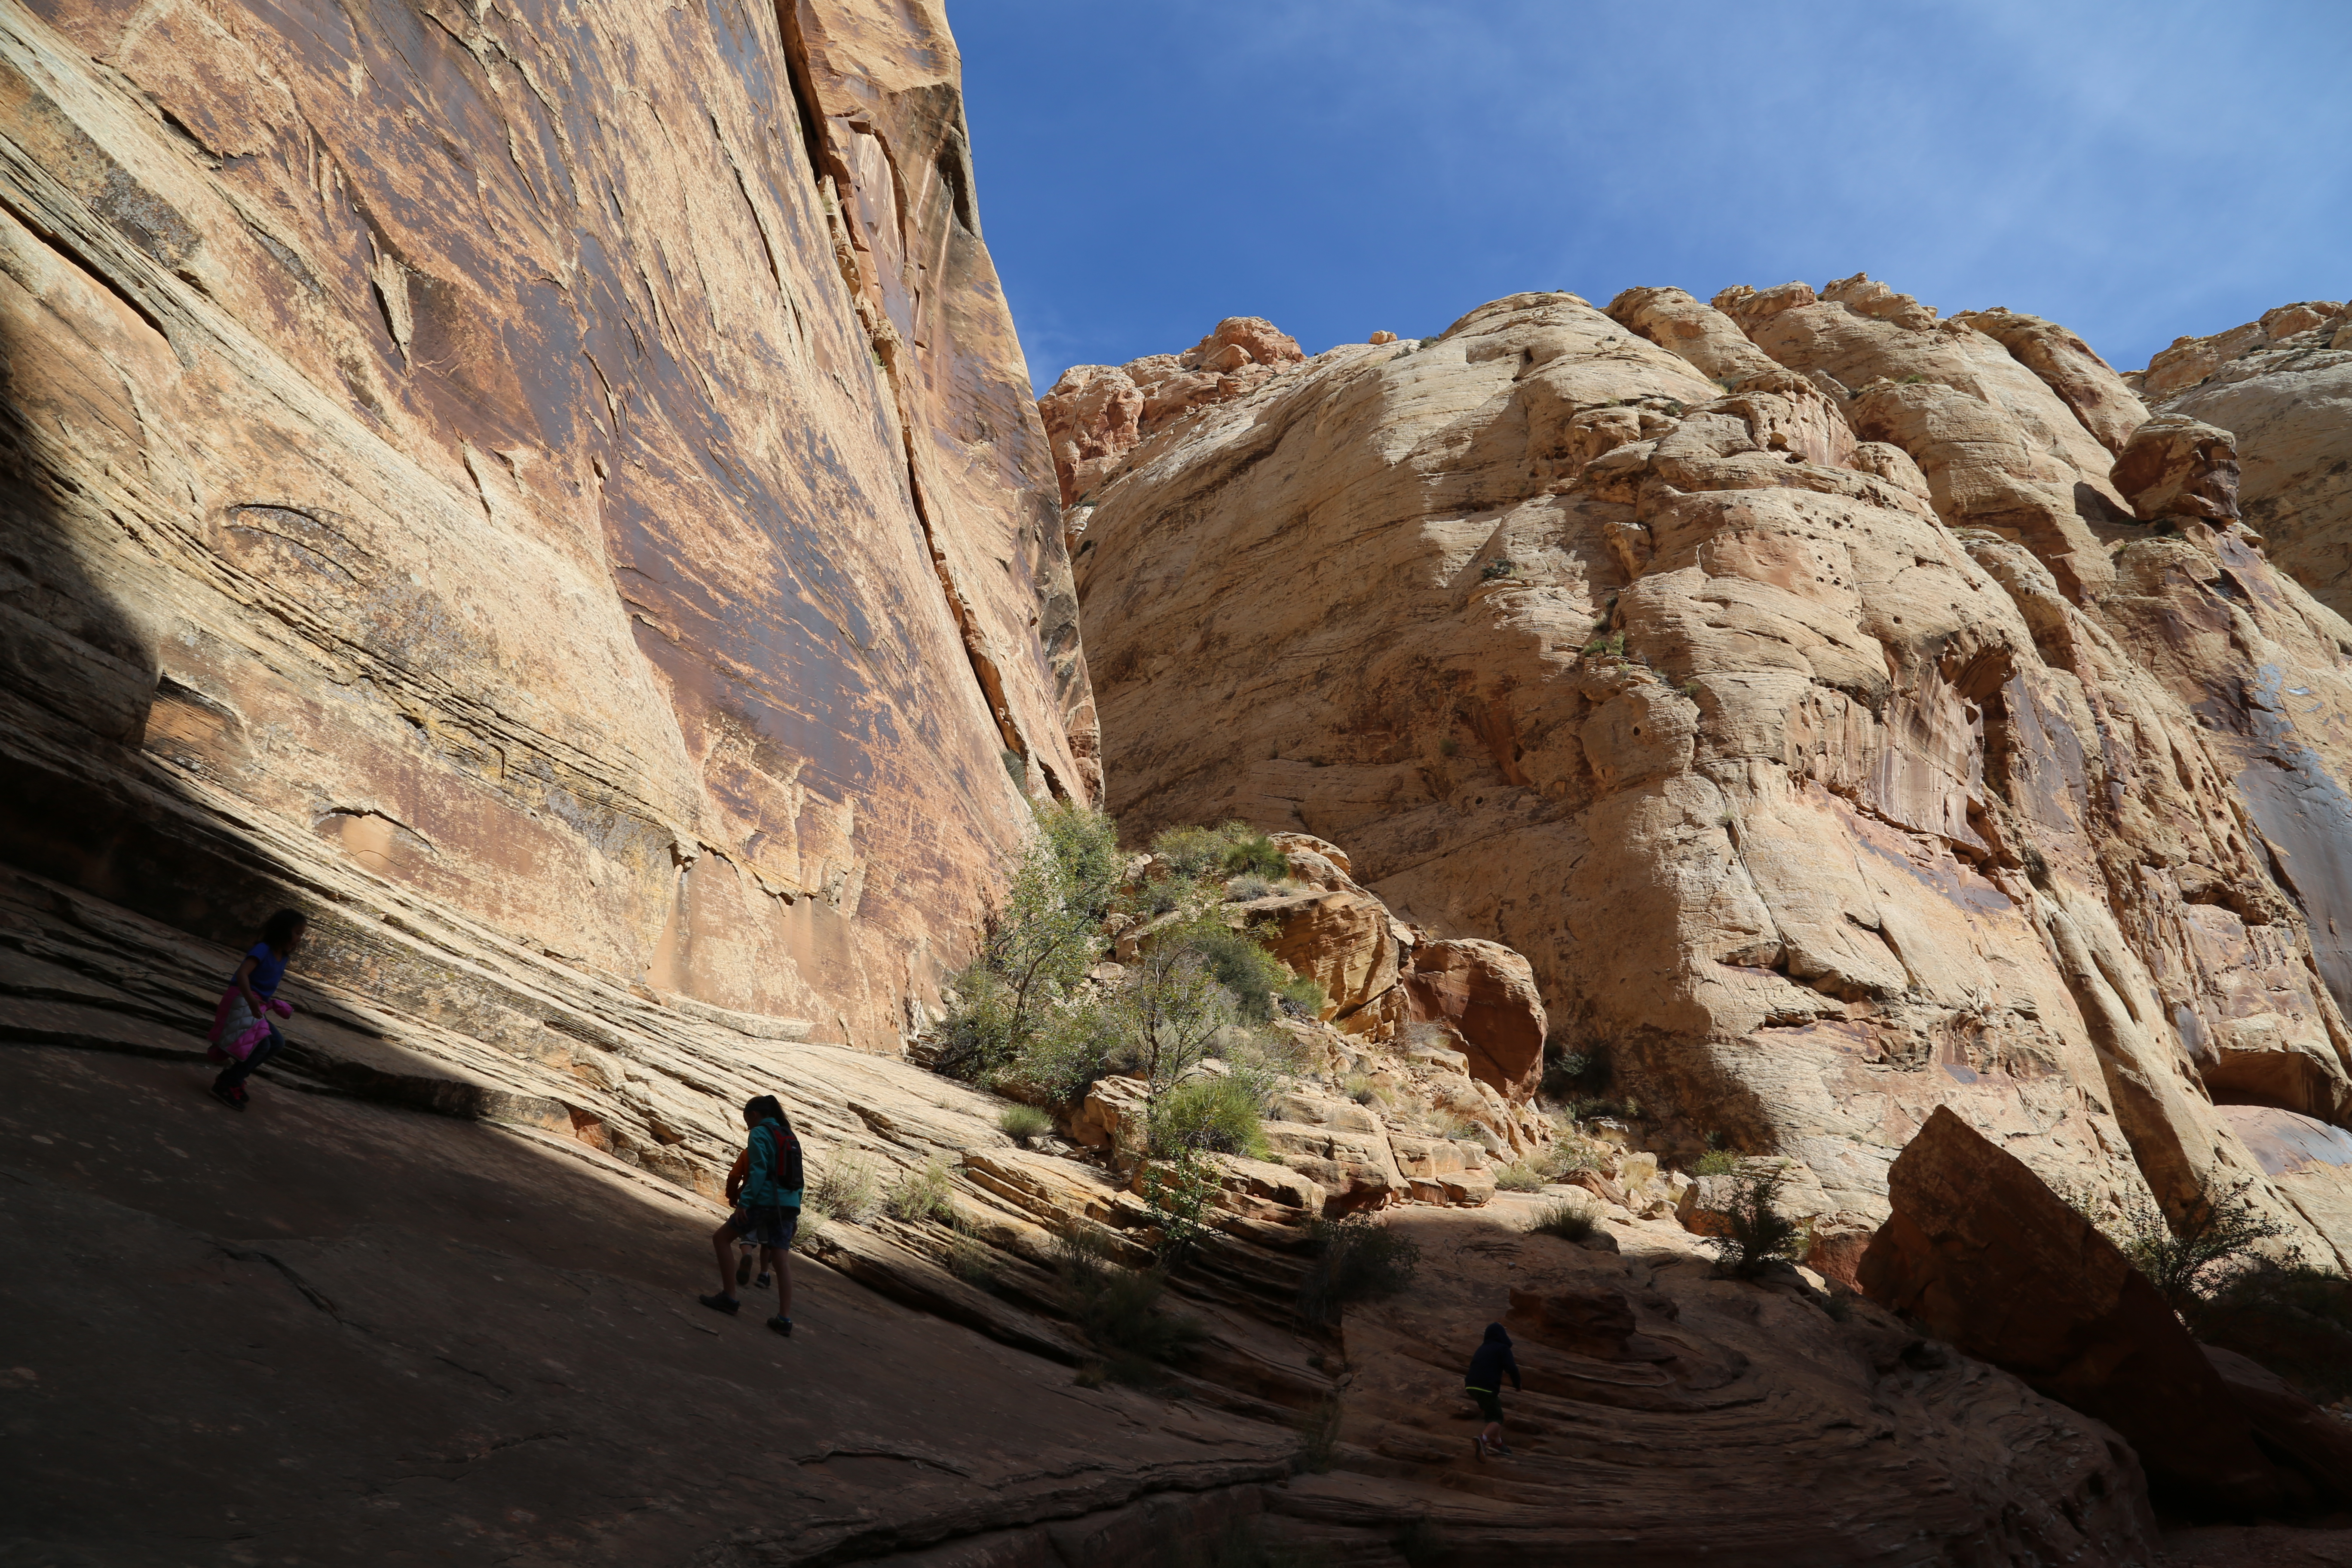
x: 1980, y: 1253
x: 1488, y: 994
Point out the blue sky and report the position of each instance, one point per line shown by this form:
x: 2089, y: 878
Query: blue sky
x: 2138, y: 172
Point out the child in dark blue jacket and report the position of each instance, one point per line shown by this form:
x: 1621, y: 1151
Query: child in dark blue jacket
x: 1483, y: 1384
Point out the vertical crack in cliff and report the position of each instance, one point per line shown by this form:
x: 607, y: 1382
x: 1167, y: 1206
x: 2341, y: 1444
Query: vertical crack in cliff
x: 834, y: 185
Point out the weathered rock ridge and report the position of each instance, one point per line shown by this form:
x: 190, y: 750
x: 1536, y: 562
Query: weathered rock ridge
x: 572, y: 464
x: 1793, y: 681
x: 2282, y: 387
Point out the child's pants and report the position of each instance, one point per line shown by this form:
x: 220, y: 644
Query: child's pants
x: 262, y: 1051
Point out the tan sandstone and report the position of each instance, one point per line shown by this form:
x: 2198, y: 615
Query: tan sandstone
x: 1833, y: 749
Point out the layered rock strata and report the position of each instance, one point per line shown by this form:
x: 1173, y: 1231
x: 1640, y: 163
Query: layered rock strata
x: 575, y: 469
x: 403, y: 1306
x: 2283, y: 386
x: 1790, y: 680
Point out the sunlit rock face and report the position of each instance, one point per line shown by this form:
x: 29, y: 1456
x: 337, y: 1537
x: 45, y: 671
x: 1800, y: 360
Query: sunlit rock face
x: 573, y: 465
x: 2282, y: 387
x: 1790, y: 680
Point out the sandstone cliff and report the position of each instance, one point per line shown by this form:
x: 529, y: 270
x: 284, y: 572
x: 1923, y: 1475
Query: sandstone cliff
x: 573, y: 468
x: 1793, y: 682
x: 2283, y: 386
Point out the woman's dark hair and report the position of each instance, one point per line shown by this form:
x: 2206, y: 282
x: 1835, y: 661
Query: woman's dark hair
x: 282, y: 928
x: 763, y: 1107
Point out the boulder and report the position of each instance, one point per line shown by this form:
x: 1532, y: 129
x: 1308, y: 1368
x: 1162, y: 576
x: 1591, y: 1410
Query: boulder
x: 1112, y: 1114
x: 1340, y: 939
x: 1981, y: 1253
x: 2176, y: 466
x: 1487, y: 993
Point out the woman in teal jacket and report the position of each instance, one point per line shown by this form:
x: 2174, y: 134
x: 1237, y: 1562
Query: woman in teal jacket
x: 767, y: 1213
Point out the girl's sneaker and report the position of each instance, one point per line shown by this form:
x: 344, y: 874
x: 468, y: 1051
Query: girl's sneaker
x: 228, y: 1097
x: 743, y: 1271
x: 764, y: 1281
x: 1478, y: 1444
x: 782, y: 1325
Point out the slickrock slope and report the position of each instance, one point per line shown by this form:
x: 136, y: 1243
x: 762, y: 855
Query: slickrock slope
x: 570, y: 465
x: 2283, y: 386
x: 1790, y: 680
x: 361, y: 1331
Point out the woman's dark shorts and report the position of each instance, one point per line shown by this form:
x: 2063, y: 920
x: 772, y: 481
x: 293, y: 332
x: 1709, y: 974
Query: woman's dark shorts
x: 1489, y: 1402
x: 765, y: 1226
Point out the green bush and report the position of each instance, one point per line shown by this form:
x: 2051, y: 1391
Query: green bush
x: 1362, y: 1089
x: 1304, y: 994
x: 1219, y: 1115
x: 1230, y: 850
x: 921, y: 1194
x: 1569, y: 1218
x: 2213, y: 1244
x: 1067, y: 1051
x: 1717, y: 1162
x: 1355, y: 1260
x: 1239, y: 961
x: 1760, y: 1236
x: 1024, y: 1124
x: 1245, y: 889
x: 1040, y: 944
x: 1185, y: 1192
x: 1497, y: 566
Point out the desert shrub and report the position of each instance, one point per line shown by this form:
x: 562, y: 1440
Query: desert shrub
x: 921, y: 1194
x: 1355, y: 1260
x: 1070, y: 1049
x: 1304, y: 995
x: 1569, y: 1218
x: 1024, y: 1124
x: 1568, y: 1071
x: 1242, y: 890
x: 2215, y: 1243
x: 1118, y: 1311
x: 1219, y: 1115
x: 1449, y: 747
x: 1184, y: 1191
x: 1498, y: 566
x: 1717, y: 1162
x: 846, y: 1189
x: 1232, y: 849
x: 1318, y: 1437
x: 1040, y: 944
x: 1758, y: 1235
x: 1239, y: 961
x: 1518, y: 1176
x: 1362, y: 1089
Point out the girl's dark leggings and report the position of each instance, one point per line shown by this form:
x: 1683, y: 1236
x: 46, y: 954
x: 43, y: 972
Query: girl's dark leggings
x: 239, y: 1071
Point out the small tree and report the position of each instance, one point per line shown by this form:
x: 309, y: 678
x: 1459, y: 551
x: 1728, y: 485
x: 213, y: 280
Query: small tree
x: 1045, y: 937
x: 1757, y: 1234
x: 2216, y: 1240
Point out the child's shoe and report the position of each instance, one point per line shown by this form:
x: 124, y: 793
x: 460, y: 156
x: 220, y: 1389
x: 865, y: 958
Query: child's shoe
x: 743, y: 1271
x: 764, y: 1281
x: 781, y: 1324
x: 228, y: 1097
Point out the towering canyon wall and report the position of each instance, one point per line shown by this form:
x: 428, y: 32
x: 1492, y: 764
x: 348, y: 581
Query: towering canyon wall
x: 1848, y: 711
x: 569, y: 469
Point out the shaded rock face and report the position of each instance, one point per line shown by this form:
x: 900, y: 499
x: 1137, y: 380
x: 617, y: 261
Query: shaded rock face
x: 1833, y: 747
x: 2282, y: 387
x: 602, y: 498
x: 2173, y: 467
x: 1979, y: 1252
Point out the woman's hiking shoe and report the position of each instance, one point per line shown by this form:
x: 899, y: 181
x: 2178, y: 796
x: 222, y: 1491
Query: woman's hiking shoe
x: 743, y: 1271
x: 781, y: 1325
x: 228, y: 1097
x: 725, y: 1304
